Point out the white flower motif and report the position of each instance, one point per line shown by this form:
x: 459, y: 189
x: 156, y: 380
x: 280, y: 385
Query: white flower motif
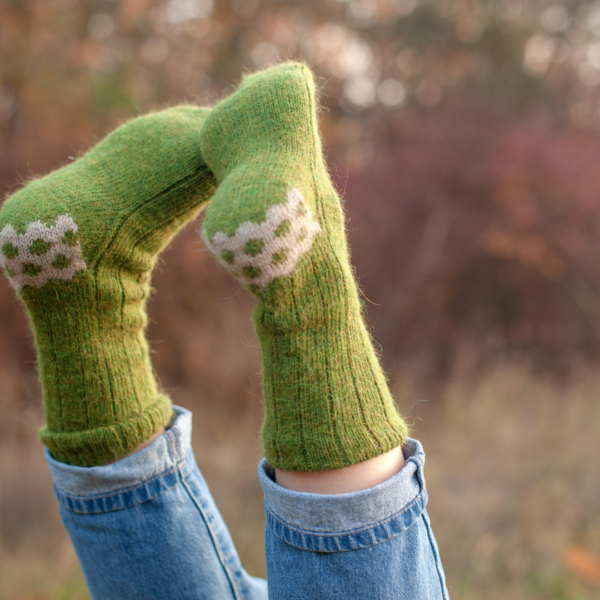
x: 258, y: 253
x: 41, y: 253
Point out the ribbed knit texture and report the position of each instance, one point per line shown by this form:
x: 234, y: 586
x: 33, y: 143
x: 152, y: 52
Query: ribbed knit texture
x: 79, y: 246
x: 277, y: 224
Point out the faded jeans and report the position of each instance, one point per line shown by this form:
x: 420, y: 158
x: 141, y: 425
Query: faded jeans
x: 147, y: 528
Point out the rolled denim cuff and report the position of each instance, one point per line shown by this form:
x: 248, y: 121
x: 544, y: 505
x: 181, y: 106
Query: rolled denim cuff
x: 129, y: 481
x: 342, y: 522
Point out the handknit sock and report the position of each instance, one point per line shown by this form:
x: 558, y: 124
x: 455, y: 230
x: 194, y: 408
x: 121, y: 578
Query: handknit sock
x: 276, y: 224
x: 79, y: 246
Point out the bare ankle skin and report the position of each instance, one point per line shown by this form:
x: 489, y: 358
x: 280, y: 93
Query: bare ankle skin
x: 354, y: 478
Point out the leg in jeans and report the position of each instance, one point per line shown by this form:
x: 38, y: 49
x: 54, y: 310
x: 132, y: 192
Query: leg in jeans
x: 79, y: 246
x: 147, y: 528
x: 376, y: 543
x: 276, y: 223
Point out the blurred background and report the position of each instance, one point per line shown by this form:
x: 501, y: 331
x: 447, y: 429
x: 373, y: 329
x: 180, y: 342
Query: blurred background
x: 464, y: 137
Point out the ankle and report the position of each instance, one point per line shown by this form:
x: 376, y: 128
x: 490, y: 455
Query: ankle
x: 357, y: 477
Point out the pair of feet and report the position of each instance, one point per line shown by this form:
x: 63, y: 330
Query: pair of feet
x: 80, y: 244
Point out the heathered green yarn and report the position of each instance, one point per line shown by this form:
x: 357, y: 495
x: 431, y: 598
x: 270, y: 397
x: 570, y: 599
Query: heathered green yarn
x: 326, y: 398
x: 127, y: 196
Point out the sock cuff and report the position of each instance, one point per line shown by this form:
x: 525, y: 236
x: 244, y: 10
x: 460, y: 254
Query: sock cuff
x: 282, y: 450
x: 100, y: 446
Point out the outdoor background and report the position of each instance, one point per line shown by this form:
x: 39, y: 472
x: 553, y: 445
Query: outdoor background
x: 464, y: 137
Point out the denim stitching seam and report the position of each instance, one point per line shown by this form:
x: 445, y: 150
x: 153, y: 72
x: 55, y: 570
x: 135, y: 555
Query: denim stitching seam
x: 351, y: 532
x: 436, y: 554
x: 230, y: 576
x: 177, y: 467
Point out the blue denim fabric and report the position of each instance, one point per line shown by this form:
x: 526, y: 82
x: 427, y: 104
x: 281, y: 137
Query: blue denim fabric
x: 376, y: 544
x: 147, y: 528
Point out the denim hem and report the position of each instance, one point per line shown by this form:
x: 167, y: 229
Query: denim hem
x: 342, y: 522
x: 347, y: 540
x: 130, y: 481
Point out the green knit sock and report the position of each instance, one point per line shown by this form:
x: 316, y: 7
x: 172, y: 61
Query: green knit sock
x: 276, y: 223
x: 79, y: 246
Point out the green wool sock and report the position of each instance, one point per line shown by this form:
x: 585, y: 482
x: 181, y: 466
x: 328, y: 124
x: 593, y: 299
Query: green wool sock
x: 79, y: 246
x: 276, y: 223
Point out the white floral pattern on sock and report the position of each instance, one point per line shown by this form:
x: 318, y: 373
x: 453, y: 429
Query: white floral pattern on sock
x: 54, y: 258
x: 258, y: 253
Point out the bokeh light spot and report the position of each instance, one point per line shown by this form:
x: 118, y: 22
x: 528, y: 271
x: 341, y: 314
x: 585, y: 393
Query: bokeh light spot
x: 539, y: 52
x: 391, y: 92
x: 100, y: 26
x: 181, y: 11
x: 360, y: 91
x: 264, y: 54
x: 556, y: 18
x: 404, y: 7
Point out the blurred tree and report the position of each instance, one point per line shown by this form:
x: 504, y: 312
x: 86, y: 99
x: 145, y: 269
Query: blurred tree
x: 462, y: 131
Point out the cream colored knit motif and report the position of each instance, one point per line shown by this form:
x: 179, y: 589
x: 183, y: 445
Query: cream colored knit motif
x: 258, y: 253
x: 41, y: 253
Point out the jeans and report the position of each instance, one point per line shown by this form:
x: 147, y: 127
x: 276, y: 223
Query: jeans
x: 146, y: 527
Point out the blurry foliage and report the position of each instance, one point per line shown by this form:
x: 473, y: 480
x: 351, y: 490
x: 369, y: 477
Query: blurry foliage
x: 478, y: 231
x: 583, y: 563
x: 463, y: 133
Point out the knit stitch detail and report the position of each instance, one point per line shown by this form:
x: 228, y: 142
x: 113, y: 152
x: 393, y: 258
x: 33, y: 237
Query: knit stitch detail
x: 59, y: 257
x: 258, y: 253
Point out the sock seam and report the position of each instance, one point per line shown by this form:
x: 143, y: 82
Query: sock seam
x: 370, y: 433
x: 127, y: 215
x: 303, y: 445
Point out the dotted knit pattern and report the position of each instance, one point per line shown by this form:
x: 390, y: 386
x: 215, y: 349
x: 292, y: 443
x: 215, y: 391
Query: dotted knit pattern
x: 41, y: 253
x: 258, y: 253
